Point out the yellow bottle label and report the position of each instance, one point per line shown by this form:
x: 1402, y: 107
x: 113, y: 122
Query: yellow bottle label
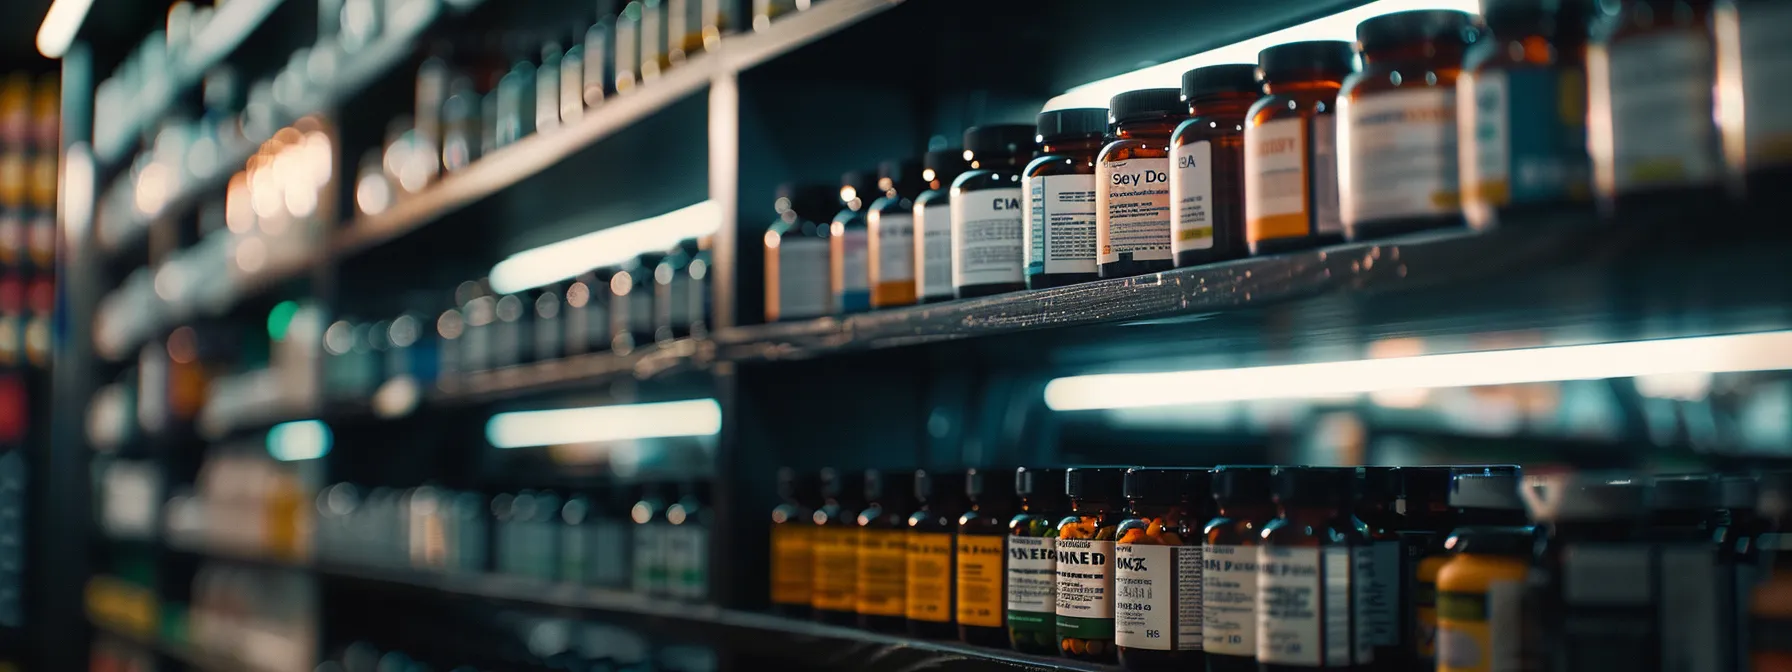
x: 836, y: 569
x: 883, y: 570
x: 930, y: 576
x: 1479, y: 631
x: 980, y: 574
x: 793, y: 563
x: 1424, y: 613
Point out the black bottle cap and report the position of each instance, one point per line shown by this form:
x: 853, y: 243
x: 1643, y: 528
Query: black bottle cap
x: 1036, y: 483
x: 1391, y: 31
x: 902, y: 177
x: 1587, y: 497
x: 1242, y: 483
x: 1145, y: 104
x: 1421, y: 485
x: 941, y: 166
x: 1228, y: 78
x: 802, y: 487
x: 1334, y: 59
x: 1317, y: 486
x: 844, y: 486
x: 1486, y: 489
x: 1166, y: 486
x: 893, y: 488
x: 1685, y: 492
x: 1515, y: 540
x: 1094, y: 483
x: 1081, y: 122
x: 986, y: 486
x: 999, y: 140
x: 939, y: 489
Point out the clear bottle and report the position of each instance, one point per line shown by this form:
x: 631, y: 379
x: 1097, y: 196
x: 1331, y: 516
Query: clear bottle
x: 933, y: 224
x: 1291, y: 155
x: 1397, y: 124
x: 1060, y: 188
x: 1032, y: 556
x: 1697, y: 594
x: 681, y: 291
x: 834, y: 594
x: 655, y: 57
x: 1085, y: 625
x: 986, y: 211
x: 601, y: 49
x: 1157, y: 575
x: 883, y: 549
x: 547, y: 87
x: 930, y: 604
x: 687, y: 543
x: 1480, y: 595
x: 1770, y: 601
x: 571, y: 99
x: 626, y: 64
x: 1307, y: 566
x: 848, y: 245
x: 587, y: 313
x: 797, y: 273
x: 631, y: 303
x: 1754, y: 60
x: 1594, y: 527
x: 515, y: 110
x: 1207, y: 155
x: 1651, y: 73
x: 890, y: 244
x: 1524, y: 149
x: 793, y: 542
x: 1229, y: 580
x: 648, y: 562
x: 978, y: 579
x: 1132, y: 175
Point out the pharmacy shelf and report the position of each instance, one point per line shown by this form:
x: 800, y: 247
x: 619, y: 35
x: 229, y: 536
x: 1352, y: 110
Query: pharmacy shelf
x: 189, y: 655
x: 531, y: 155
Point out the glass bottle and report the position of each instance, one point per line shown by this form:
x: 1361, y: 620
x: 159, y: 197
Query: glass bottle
x: 1032, y: 556
x: 655, y: 57
x: 1207, y: 154
x: 1770, y: 601
x: 1480, y: 589
x: 978, y: 572
x: 1397, y: 124
x: 1697, y: 598
x: 631, y: 303
x: 1085, y: 617
x: 1384, y: 605
x: 547, y: 87
x: 834, y: 593
x: 601, y: 48
x: 929, y: 604
x: 1132, y: 174
x: 933, y: 224
x: 571, y: 99
x: 1524, y: 149
x: 680, y: 292
x: 1754, y: 60
x: 626, y: 61
x: 546, y: 327
x: 588, y: 313
x: 986, y: 211
x: 1229, y: 580
x: 1470, y: 496
x: 848, y: 245
x: 1651, y: 73
x: 890, y: 252
x: 1306, y: 571
x: 687, y: 545
x: 1157, y: 575
x: 1060, y: 190
x: 883, y: 549
x: 1291, y: 157
x: 796, y: 255
x: 1594, y: 525
x: 648, y: 562
x: 793, y: 542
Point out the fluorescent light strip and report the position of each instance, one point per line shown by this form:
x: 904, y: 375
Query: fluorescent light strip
x: 60, y: 25
x: 568, y: 258
x: 1340, y: 26
x: 1769, y: 351
x: 300, y: 440
x: 523, y: 429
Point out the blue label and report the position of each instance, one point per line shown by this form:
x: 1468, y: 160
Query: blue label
x: 855, y: 301
x: 1530, y: 136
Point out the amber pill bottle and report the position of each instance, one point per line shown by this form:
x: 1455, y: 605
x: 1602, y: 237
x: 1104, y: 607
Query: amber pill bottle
x: 931, y: 547
x: 979, y: 570
x: 1307, y: 569
x: 986, y: 211
x: 1207, y: 164
x: 793, y: 542
x: 1157, y: 569
x: 1397, y: 124
x: 933, y: 224
x: 1085, y: 563
x: 1060, y: 190
x: 1229, y: 578
x: 883, y: 549
x: 1291, y: 148
x: 1132, y: 183
x: 1651, y: 75
x: 1032, y: 560
x: 834, y: 593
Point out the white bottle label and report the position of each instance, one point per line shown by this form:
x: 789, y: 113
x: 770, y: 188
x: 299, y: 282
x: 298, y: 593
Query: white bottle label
x: 1157, y: 597
x: 1085, y: 588
x: 933, y: 250
x: 855, y: 269
x: 1275, y: 180
x: 1032, y: 569
x: 1326, y: 219
x: 1191, y: 225
x: 1303, y: 606
x: 1378, y: 593
x: 1660, y: 90
x: 1229, y: 599
x: 1401, y: 149
x: 802, y: 278
x: 1766, y: 65
x: 986, y: 240
x: 1133, y: 210
x: 1495, y: 644
x: 1061, y: 224
x: 893, y: 245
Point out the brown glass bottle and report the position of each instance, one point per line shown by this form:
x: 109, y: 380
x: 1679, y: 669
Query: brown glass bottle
x: 929, y: 604
x: 1132, y: 183
x: 986, y: 211
x: 1157, y: 623
x: 1229, y: 579
x: 1397, y: 124
x: 1032, y: 557
x: 1085, y: 564
x: 1060, y: 189
x: 1207, y: 164
x: 834, y: 594
x: 1307, y: 566
x: 793, y: 542
x: 883, y: 549
x: 1291, y: 154
x: 978, y: 572
x: 1651, y: 72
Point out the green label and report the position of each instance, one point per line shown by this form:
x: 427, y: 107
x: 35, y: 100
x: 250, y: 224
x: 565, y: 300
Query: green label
x: 1470, y: 607
x: 1085, y: 628
x: 1029, y: 620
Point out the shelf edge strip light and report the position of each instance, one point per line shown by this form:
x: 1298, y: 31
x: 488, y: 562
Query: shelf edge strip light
x: 594, y: 424
x: 1340, y: 26
x: 568, y: 258
x: 1769, y: 351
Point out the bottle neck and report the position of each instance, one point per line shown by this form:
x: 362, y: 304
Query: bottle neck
x: 1074, y: 146
x: 1222, y: 105
x: 1144, y: 129
x: 1303, y: 86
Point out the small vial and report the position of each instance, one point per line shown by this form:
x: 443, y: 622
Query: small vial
x: 834, y: 594
x: 891, y: 240
x: 848, y: 245
x: 1207, y: 154
x: 680, y: 292
x: 1480, y: 598
x: 1523, y: 117
x: 1291, y: 155
x: 986, y: 211
x: 1229, y: 584
x: 796, y: 254
x: 1158, y: 568
x: 1060, y: 189
x: 882, y: 573
x: 1307, y: 566
x: 1651, y: 71
x: 1594, y: 525
x: 793, y: 542
x: 1397, y: 117
x: 515, y: 111
x: 1032, y: 571
x: 1754, y: 62
x: 1132, y: 174
x: 626, y: 61
x: 933, y: 224
x: 655, y: 57
x: 982, y: 549
x: 929, y: 603
x: 601, y: 48
x: 1085, y: 625
x: 1688, y: 522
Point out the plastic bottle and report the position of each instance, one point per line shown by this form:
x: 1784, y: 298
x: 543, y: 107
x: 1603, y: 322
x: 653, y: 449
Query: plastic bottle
x: 986, y: 211
x: 1770, y: 601
x: 982, y: 546
x: 1291, y: 152
x: 834, y: 595
x: 933, y: 224
x: 1229, y: 579
x: 1157, y: 575
x: 1132, y: 173
x: 793, y: 542
x: 891, y: 243
x: 1485, y: 496
x: 848, y: 245
x: 1480, y: 597
x: 1397, y: 124
x: 929, y: 604
x: 797, y: 272
x: 1754, y: 60
x: 1593, y: 584
x: 1085, y: 563
x: 883, y: 549
x: 1307, y: 565
x: 1651, y: 72
x: 1207, y: 157
x: 1032, y: 560
x: 1697, y: 586
x: 1060, y: 190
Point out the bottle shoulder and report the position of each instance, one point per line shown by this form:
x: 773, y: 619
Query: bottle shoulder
x: 1059, y: 164
x: 933, y: 197
x: 979, y: 180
